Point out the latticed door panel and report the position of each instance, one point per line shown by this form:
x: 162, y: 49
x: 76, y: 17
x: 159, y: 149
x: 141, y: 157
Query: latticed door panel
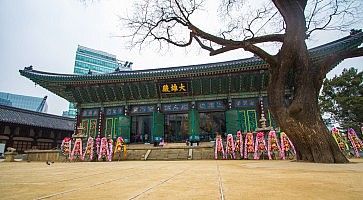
x: 85, y: 126
x: 194, y: 127
x: 243, y: 119
x: 124, y: 126
x: 109, y: 127
x: 93, y: 128
x: 233, y: 122
x: 157, y: 130
x: 251, y: 120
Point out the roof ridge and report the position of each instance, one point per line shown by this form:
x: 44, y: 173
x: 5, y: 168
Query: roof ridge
x: 35, y: 112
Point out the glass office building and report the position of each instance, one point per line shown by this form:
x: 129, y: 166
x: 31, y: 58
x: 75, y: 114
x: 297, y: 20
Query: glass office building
x: 91, y: 61
x: 24, y: 102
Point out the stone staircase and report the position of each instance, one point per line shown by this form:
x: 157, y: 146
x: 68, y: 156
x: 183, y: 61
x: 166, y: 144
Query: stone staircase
x: 203, y: 153
x: 172, y: 151
x: 168, y: 154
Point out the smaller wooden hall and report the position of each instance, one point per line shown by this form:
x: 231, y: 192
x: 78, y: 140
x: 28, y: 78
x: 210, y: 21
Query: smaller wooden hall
x: 24, y: 129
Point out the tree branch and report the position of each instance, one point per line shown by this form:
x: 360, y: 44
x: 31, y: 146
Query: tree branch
x: 337, y: 57
x: 247, y: 45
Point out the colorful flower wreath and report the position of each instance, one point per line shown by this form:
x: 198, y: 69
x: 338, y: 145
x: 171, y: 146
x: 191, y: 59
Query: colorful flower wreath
x: 110, y: 146
x: 77, y: 149
x: 260, y: 145
x: 239, y: 143
x: 89, y: 149
x: 286, y: 145
x: 104, y: 150
x: 219, y: 147
x: 98, y: 144
x: 66, y: 146
x: 230, y: 148
x: 356, y: 142
x: 249, y: 144
x: 343, y: 146
x: 120, y: 146
x: 272, y: 144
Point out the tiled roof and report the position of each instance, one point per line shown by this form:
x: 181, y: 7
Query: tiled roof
x: 37, y: 119
x: 232, y: 78
x: 248, y: 64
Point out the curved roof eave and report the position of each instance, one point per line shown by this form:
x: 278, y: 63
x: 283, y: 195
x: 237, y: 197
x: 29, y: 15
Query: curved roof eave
x: 248, y: 64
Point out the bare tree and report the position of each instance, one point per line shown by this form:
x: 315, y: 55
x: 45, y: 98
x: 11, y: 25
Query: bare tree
x: 249, y: 24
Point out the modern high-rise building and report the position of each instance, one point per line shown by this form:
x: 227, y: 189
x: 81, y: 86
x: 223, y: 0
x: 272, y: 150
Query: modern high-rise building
x: 91, y: 61
x: 25, y: 102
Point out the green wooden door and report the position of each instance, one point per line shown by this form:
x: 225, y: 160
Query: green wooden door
x: 111, y: 127
x: 194, y: 127
x: 252, y: 120
x: 157, y: 131
x: 124, y: 128
x: 233, y: 121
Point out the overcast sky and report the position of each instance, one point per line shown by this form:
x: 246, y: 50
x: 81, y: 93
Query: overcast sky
x: 45, y: 34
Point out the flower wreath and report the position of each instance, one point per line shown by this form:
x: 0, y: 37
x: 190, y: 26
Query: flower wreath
x: 219, y: 147
x: 260, y: 145
x: 249, y: 144
x: 343, y: 146
x: 120, y: 146
x: 89, y: 149
x: 239, y: 143
x: 230, y: 148
x: 98, y: 144
x: 66, y: 146
x: 286, y: 144
x: 104, y: 150
x: 77, y: 149
x: 110, y: 152
x: 356, y: 142
x: 272, y: 144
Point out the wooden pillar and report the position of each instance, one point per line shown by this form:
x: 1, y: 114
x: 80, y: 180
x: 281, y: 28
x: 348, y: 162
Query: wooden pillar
x: 10, y: 142
x: 194, y: 128
x: 78, y: 120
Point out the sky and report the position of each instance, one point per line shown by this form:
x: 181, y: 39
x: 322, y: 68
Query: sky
x: 46, y: 33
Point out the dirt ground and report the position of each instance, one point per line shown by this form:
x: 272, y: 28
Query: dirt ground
x: 206, y: 179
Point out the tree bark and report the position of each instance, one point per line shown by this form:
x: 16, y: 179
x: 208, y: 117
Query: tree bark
x: 299, y: 116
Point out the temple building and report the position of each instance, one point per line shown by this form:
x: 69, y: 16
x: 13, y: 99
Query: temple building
x: 193, y: 102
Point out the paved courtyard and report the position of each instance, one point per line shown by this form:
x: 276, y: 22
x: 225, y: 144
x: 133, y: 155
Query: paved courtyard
x: 206, y: 179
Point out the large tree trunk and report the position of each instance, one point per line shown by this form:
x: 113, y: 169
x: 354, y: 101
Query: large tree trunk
x: 298, y: 113
x: 299, y: 116
x: 311, y: 138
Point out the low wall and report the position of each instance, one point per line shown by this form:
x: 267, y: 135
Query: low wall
x: 136, y: 153
x: 45, y: 155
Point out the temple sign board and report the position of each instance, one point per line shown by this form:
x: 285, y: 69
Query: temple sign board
x: 175, y: 87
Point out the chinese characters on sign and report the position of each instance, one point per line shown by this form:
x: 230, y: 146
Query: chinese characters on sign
x: 211, y: 105
x: 90, y: 112
x: 177, y: 107
x: 114, y: 111
x: 143, y: 109
x: 250, y: 102
x: 238, y: 103
x: 170, y: 88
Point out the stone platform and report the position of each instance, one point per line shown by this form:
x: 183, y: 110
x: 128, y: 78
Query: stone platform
x: 170, y: 151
